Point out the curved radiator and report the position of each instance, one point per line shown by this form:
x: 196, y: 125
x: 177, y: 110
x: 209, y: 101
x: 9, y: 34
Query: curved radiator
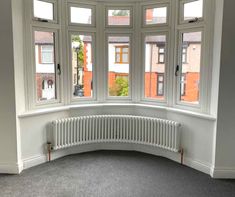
x: 70, y: 132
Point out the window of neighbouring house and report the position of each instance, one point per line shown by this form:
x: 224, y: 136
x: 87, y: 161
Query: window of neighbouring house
x: 161, y: 55
x: 160, y: 84
x: 46, y: 55
x: 184, y: 54
x: 121, y: 54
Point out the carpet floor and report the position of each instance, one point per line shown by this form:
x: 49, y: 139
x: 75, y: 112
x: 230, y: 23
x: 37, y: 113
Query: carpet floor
x: 113, y: 174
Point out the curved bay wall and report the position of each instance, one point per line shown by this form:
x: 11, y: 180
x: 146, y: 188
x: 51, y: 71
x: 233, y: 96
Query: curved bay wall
x: 197, y: 134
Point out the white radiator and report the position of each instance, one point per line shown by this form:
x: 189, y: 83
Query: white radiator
x: 115, y: 128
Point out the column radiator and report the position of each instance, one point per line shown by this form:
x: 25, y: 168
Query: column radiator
x: 70, y: 132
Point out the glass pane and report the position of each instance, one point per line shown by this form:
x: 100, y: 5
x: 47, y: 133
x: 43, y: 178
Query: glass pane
x: 125, y: 57
x: 118, y: 74
x: 45, y: 65
x: 190, y: 79
x: 118, y: 58
x: 156, y: 16
x: 43, y: 10
x: 118, y: 17
x: 125, y: 50
x: 82, y: 65
x: 154, y: 68
x: 80, y: 15
x: 193, y: 10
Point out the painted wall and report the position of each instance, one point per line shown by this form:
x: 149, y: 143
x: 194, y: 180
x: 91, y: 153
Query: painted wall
x: 197, y: 133
x: 8, y: 142
x: 225, y: 139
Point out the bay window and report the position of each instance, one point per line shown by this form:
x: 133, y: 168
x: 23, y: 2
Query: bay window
x: 147, y: 52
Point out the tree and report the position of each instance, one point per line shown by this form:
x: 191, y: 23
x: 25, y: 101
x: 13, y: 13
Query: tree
x: 120, y: 13
x: 120, y: 88
x: 79, y: 50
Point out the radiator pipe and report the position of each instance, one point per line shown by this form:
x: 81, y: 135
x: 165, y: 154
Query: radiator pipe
x: 49, y: 148
x: 182, y: 156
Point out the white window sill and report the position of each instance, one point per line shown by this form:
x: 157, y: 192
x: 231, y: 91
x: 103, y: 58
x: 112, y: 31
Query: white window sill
x: 73, y: 107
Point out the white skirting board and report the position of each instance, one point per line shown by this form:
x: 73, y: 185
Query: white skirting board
x: 223, y: 173
x: 39, y: 159
x: 11, y: 168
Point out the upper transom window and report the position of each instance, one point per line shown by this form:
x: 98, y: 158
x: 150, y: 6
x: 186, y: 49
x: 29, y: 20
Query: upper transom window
x: 119, y: 17
x: 155, y: 15
x: 81, y: 15
x: 191, y: 10
x: 44, y: 10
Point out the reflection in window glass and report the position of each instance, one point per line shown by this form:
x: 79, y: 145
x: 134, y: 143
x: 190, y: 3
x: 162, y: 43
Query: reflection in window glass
x: 156, y: 15
x: 82, y: 65
x: 45, y: 65
x: 190, y: 74
x: 193, y: 10
x: 118, y: 65
x: 118, y: 17
x: 43, y: 10
x: 80, y: 15
x: 155, y: 47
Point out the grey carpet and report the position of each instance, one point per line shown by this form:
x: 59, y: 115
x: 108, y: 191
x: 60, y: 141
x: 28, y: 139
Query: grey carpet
x: 113, y: 174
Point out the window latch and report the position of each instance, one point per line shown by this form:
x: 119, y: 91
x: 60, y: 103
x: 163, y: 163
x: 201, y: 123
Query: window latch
x: 193, y: 20
x: 58, y: 69
x: 177, y: 70
x: 42, y: 20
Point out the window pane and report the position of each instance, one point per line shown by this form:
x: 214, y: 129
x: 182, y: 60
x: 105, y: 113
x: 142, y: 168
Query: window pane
x: 125, y: 58
x: 118, y: 74
x: 156, y: 15
x: 154, y: 68
x: 118, y: 17
x: 190, y: 77
x: 47, y: 54
x: 45, y: 65
x: 193, y: 10
x: 80, y: 15
x: 82, y: 65
x: 43, y: 10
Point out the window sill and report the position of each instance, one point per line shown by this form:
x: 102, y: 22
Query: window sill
x: 141, y: 105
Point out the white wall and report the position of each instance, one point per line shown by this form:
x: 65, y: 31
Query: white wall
x: 225, y: 139
x: 8, y: 142
x: 197, y: 134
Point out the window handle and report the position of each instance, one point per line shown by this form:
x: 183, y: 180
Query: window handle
x: 58, y: 69
x: 177, y: 70
x: 42, y: 20
x: 194, y: 20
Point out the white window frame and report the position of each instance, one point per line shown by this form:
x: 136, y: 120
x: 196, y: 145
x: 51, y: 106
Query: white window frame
x: 178, y: 78
x: 153, y: 6
x: 82, y: 5
x: 155, y: 100
x: 35, y: 103
x: 74, y: 99
x: 55, y: 12
x: 118, y: 7
x: 118, y: 98
x: 181, y: 12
